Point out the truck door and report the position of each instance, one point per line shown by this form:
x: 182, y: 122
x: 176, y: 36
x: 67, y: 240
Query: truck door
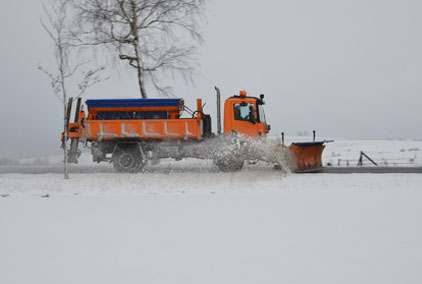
x: 244, y: 119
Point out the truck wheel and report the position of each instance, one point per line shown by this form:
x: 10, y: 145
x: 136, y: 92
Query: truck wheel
x: 229, y: 164
x: 128, y: 161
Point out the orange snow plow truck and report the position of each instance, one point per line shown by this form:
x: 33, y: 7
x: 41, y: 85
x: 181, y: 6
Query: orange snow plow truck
x: 129, y: 132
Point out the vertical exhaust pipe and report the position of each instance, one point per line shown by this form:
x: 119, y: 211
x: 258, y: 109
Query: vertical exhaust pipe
x: 218, y: 110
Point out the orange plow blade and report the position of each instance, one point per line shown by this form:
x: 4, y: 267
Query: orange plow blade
x: 307, y: 156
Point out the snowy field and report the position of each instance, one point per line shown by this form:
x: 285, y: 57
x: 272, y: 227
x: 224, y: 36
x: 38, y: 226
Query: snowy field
x: 401, y: 153
x: 187, y: 223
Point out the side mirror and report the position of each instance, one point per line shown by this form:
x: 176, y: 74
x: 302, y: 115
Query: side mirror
x: 261, y: 98
x: 269, y: 127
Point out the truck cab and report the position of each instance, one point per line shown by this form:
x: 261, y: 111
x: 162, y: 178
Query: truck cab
x: 245, y: 115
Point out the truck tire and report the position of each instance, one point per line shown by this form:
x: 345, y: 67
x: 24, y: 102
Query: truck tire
x: 128, y: 161
x: 229, y: 164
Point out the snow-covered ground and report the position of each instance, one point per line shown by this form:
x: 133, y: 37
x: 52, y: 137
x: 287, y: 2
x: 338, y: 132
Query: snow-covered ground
x: 186, y: 223
x: 401, y: 153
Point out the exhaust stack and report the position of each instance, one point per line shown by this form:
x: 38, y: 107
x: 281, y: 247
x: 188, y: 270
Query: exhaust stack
x: 218, y: 110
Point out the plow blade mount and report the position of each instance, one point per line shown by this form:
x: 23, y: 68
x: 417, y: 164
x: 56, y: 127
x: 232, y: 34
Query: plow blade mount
x: 74, y: 153
x: 307, y: 156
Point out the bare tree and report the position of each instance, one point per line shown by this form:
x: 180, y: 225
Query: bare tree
x: 57, y: 26
x: 155, y: 37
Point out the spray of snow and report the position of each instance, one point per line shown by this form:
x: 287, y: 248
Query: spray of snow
x: 270, y: 151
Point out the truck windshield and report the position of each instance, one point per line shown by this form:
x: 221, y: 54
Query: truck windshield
x: 261, y: 114
x: 244, y: 112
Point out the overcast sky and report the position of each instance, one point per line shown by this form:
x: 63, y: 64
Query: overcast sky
x: 347, y: 68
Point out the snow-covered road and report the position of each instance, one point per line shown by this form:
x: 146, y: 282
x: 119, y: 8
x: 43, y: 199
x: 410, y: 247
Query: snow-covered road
x: 254, y: 226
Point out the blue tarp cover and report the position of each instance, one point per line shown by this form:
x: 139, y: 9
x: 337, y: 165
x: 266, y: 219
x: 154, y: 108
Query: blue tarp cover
x: 118, y: 103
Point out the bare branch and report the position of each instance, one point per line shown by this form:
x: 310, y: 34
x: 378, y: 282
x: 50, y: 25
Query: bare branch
x: 156, y: 37
x: 54, y: 82
x: 91, y: 78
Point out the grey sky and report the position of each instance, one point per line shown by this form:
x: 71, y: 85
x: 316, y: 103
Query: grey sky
x: 346, y: 68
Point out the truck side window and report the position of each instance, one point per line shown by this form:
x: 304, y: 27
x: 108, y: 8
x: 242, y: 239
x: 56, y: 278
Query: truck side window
x: 244, y: 112
x: 261, y: 114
